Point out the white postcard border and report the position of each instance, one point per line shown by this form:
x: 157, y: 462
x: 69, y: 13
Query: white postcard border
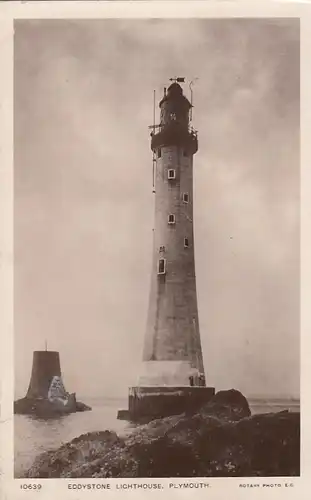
x: 219, y: 488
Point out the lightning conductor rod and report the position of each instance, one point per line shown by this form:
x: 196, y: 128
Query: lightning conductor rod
x: 191, y: 94
x: 153, y: 158
x: 154, y: 106
x: 191, y: 99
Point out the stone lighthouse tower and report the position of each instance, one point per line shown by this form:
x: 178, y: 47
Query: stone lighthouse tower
x: 172, y: 377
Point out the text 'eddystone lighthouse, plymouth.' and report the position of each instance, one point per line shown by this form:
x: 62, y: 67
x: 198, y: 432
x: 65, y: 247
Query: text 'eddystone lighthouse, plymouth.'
x: 172, y: 378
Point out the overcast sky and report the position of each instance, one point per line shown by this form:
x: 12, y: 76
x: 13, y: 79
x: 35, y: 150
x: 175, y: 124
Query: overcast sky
x: 84, y: 203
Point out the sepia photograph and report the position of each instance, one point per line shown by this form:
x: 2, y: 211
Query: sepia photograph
x: 157, y: 248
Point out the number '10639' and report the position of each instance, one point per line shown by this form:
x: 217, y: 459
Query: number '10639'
x: 31, y: 486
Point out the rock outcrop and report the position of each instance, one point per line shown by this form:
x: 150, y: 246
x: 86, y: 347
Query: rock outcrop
x: 44, y: 408
x: 220, y: 440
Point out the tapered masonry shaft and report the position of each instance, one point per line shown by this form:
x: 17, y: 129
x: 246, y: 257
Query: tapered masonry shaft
x: 45, y: 367
x: 172, y: 378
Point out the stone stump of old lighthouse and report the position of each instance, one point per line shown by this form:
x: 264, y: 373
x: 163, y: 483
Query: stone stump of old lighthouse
x: 172, y: 378
x: 46, y: 395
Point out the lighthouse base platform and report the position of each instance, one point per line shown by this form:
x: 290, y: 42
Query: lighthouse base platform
x: 150, y: 403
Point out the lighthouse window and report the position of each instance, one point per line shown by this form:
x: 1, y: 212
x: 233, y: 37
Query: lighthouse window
x: 161, y: 266
x: 186, y: 242
x: 171, y: 219
x: 185, y: 198
x: 171, y: 173
x: 159, y: 153
x: 185, y: 152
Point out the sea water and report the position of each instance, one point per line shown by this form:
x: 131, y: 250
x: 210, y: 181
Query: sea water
x: 33, y: 436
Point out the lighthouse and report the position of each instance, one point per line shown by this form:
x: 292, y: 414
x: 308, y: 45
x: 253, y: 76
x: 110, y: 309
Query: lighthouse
x: 172, y: 377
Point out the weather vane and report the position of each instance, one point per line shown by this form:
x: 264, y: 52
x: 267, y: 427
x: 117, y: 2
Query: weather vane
x: 178, y: 79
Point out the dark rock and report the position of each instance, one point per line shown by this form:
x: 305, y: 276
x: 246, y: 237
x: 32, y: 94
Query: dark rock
x: 228, y: 405
x: 79, y: 454
x: 43, y: 408
x: 82, y: 406
x: 272, y: 440
x: 221, y: 440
